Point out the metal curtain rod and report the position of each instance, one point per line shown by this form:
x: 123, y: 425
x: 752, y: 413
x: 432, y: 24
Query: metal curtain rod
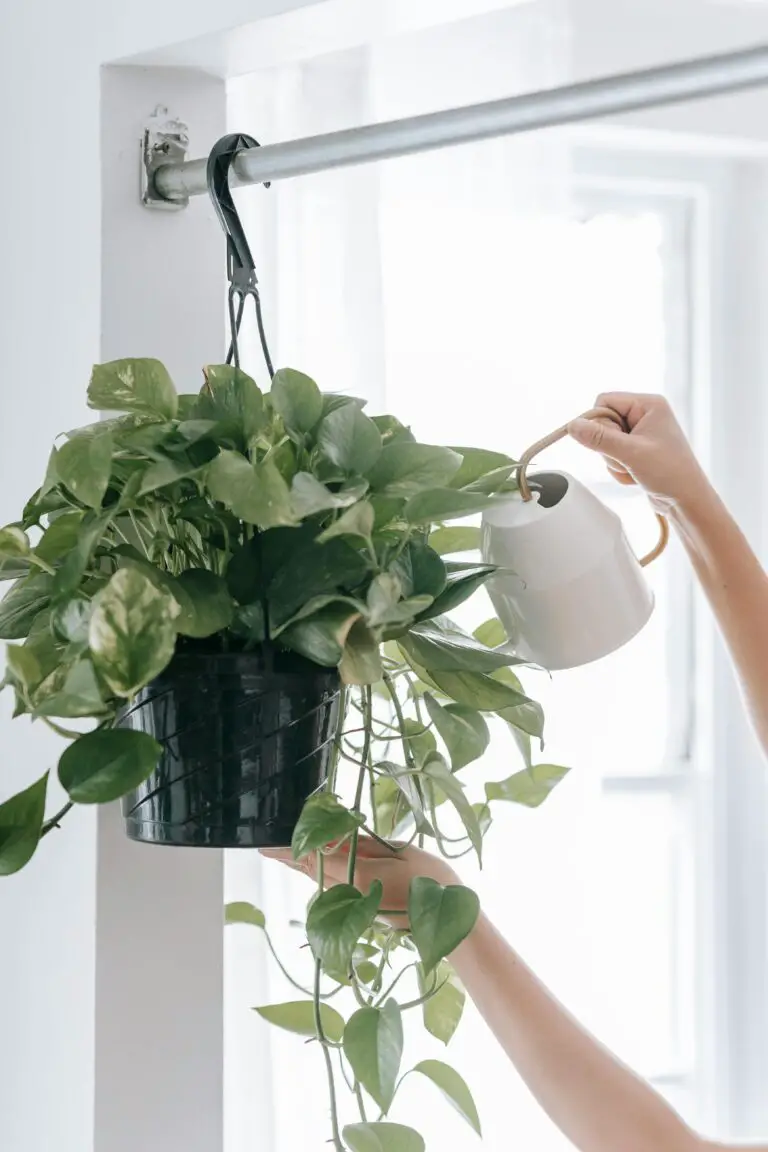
x: 670, y: 84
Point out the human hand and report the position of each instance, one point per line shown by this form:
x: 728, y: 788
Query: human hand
x: 374, y: 861
x: 654, y: 453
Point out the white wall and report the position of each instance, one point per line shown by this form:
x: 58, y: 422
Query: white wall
x: 51, y: 333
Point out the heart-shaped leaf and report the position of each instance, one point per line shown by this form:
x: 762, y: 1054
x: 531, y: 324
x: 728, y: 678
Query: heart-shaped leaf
x: 257, y: 494
x: 241, y: 912
x: 21, y: 822
x: 297, y: 399
x: 103, y: 765
x: 132, y: 633
x: 440, y: 917
x: 60, y: 537
x: 71, y: 618
x: 448, y: 540
x: 477, y: 691
x: 14, y: 543
x: 464, y: 732
x: 479, y: 463
x: 491, y: 633
x: 231, y: 399
x: 349, y: 439
x: 71, y: 690
x: 205, y: 603
x: 529, y: 787
x: 405, y: 468
x: 323, y: 820
x: 453, y: 1087
x: 373, y: 1044
x: 420, y: 570
x: 438, y: 504
x: 356, y: 521
x: 299, y: 1016
x: 386, y: 792
x: 443, y: 1010
x: 361, y: 659
x: 25, y: 599
x: 84, y: 464
x: 437, y: 772
x: 460, y: 584
x: 337, y: 920
x: 133, y: 386
x: 441, y: 646
x: 321, y: 636
x: 382, y: 1137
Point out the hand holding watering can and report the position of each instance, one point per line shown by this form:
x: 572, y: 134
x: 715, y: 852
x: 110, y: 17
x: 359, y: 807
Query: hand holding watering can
x: 572, y: 589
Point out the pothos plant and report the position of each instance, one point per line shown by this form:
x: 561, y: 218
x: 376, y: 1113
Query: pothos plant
x: 234, y: 520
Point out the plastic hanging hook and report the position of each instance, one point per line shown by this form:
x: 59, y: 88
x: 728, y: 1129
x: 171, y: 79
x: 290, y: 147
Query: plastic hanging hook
x: 241, y: 270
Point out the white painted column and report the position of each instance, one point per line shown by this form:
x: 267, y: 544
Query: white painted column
x: 159, y: 940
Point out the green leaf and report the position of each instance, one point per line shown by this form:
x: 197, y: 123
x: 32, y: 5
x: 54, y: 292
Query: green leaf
x: 441, y: 917
x: 406, y: 468
x: 71, y: 572
x: 357, y: 521
x: 257, y: 494
x: 205, y: 603
x: 241, y: 912
x: 437, y: 771
x: 484, y: 816
x: 321, y: 637
x: 103, y: 765
x: 337, y: 920
x: 528, y: 715
x: 132, y: 632
x: 460, y: 585
x: 361, y: 659
x: 466, y: 739
x: 14, y: 543
x: 382, y: 1137
x: 448, y: 540
x: 491, y: 633
x: 529, y: 787
x: 438, y: 504
x: 84, y: 465
x: 420, y: 570
x: 61, y: 537
x: 442, y: 1012
x: 70, y: 619
x: 453, y: 1087
x: 441, y: 646
x: 384, y: 593
x: 21, y: 822
x: 323, y: 820
x: 391, y: 429
x: 373, y: 1045
x: 21, y: 604
x: 133, y: 386
x: 71, y: 690
x: 297, y: 399
x: 171, y: 469
x: 297, y: 568
x: 478, y: 463
x: 349, y: 439
x: 420, y: 740
x: 23, y: 665
x: 477, y: 691
x: 309, y: 496
x: 233, y: 400
x: 400, y: 780
x: 299, y: 1016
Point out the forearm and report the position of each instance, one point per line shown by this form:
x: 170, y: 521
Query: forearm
x: 597, y: 1103
x: 737, y: 589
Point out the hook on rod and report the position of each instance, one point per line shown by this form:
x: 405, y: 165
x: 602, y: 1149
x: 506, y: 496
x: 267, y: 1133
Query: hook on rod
x: 241, y: 270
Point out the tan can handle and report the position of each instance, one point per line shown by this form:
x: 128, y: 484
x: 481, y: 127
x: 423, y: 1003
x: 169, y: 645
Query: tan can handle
x: 560, y: 434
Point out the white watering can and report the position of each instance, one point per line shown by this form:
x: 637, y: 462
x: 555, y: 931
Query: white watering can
x: 571, y: 589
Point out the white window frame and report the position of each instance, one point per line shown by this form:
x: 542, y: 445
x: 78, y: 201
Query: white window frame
x: 718, y: 204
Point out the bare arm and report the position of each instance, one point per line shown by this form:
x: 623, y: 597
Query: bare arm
x: 595, y: 1101
x: 656, y: 455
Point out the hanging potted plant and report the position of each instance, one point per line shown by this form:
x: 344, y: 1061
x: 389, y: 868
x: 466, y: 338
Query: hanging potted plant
x: 226, y: 601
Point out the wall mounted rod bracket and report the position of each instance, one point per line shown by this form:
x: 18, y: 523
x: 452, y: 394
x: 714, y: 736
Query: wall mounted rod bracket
x: 173, y: 181
x: 165, y: 140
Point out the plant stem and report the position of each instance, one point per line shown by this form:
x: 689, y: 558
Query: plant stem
x: 65, y: 733
x: 49, y: 825
x: 336, y: 1135
x: 41, y: 564
x: 360, y: 1103
x: 363, y: 772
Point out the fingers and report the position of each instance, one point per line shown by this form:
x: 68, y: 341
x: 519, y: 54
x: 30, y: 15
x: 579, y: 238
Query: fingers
x: 632, y: 406
x: 601, y: 437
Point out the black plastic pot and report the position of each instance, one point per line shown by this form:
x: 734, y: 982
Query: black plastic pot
x: 243, y: 748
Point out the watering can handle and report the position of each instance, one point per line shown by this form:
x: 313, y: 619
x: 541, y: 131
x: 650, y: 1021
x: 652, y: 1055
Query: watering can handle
x: 560, y: 434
